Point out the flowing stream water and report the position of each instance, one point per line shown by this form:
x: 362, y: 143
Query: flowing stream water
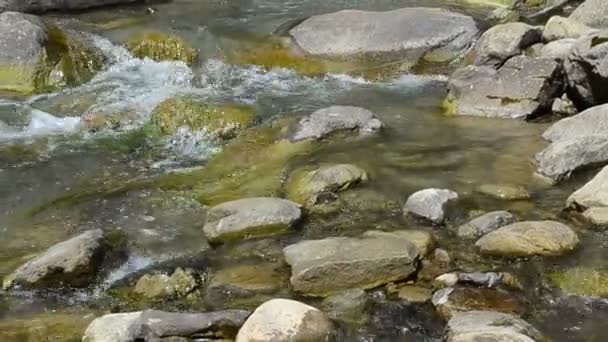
x: 45, y: 154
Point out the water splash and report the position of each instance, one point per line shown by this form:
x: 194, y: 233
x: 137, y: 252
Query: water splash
x: 37, y: 124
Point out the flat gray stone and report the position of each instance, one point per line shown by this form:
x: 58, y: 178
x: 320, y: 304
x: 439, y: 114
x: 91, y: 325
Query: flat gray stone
x: 411, y: 34
x: 593, y: 121
x: 326, y: 121
x: 430, y: 204
x: 504, y: 41
x: 529, y: 238
x: 331, y: 265
x: 250, y: 218
x: 484, y: 224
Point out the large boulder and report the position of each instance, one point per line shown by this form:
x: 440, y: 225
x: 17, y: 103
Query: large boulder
x: 35, y: 6
x: 593, y: 13
x: 334, y: 119
x: 324, y: 267
x: 529, y: 238
x: 305, y: 186
x: 410, y: 34
x: 250, y: 218
x: 559, y: 160
x: 592, y: 194
x: 587, y: 70
x: 490, y: 326
x: 504, y: 41
x: 72, y: 263
x: 593, y: 121
x: 522, y: 88
x: 484, y: 224
x: 36, y: 56
x: 430, y: 204
x: 285, y: 320
x: 561, y: 28
x: 153, y: 325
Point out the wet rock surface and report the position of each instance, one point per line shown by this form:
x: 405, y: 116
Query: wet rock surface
x: 335, y: 119
x: 430, y: 204
x: 450, y: 301
x: 490, y: 326
x: 484, y: 224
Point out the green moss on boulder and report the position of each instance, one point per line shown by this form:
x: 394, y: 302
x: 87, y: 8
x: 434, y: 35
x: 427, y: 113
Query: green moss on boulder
x: 161, y: 47
x: 224, y: 120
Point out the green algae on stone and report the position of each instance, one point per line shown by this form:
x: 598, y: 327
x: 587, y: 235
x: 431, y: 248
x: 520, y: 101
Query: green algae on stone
x: 222, y: 120
x: 161, y: 47
x: 584, y: 281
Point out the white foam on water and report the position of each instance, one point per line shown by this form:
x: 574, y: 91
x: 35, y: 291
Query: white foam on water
x: 39, y: 124
x: 133, y: 264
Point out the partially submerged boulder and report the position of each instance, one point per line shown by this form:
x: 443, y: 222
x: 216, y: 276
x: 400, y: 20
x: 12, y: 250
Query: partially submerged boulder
x: 490, y: 326
x: 153, y: 325
x: 336, y: 119
x: 430, y: 204
x: 71, y: 263
x: 285, y: 320
x: 224, y: 120
x: 249, y: 218
x: 306, y: 186
x: 484, y: 224
x: 529, y: 238
x: 522, y: 88
x: 504, y: 41
x: 161, y: 47
x: 423, y: 35
x: 323, y: 267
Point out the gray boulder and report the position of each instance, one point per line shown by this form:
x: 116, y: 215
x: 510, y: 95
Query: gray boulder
x: 522, y: 88
x: 563, y: 106
x: 72, y: 263
x: 331, y: 265
x: 411, y: 34
x: 593, y: 13
x: 490, y: 326
x: 250, y: 218
x: 593, y: 121
x: 430, y: 204
x: 559, y: 160
x: 529, y: 238
x: 561, y: 28
x: 326, y: 121
x: 285, y: 320
x: 504, y: 41
x: 558, y: 49
x: 592, y: 194
x: 36, y: 6
x: 152, y: 325
x: 484, y: 224
x: 587, y: 70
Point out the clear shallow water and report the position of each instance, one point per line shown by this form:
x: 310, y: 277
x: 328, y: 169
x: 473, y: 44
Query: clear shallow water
x: 44, y: 154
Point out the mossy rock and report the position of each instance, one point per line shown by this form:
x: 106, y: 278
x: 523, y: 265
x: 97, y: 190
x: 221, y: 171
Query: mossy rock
x: 161, y: 47
x: 584, y: 281
x: 223, y: 121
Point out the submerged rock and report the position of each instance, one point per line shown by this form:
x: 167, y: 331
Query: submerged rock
x: 35, y: 6
x: 490, y: 326
x: 522, y: 239
x: 306, y: 186
x: 161, y: 47
x: 411, y: 34
x: 522, y: 88
x: 592, y: 194
x: 593, y: 13
x: 160, y: 286
x: 285, y: 320
x: 326, y: 121
x: 586, y: 67
x: 224, y: 121
x: 430, y: 204
x: 423, y: 240
x: 249, y: 218
x: 582, y: 281
x: 72, y: 263
x: 504, y: 41
x: 449, y: 301
x: 350, y: 305
x: 151, y: 325
x: 323, y: 267
x: 504, y: 191
x: 484, y: 224
x: 414, y: 294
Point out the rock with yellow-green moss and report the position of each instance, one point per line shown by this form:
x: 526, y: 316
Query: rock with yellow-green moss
x: 37, y: 56
x: 161, y: 47
x: 305, y: 186
x: 221, y: 120
x: 584, y: 281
